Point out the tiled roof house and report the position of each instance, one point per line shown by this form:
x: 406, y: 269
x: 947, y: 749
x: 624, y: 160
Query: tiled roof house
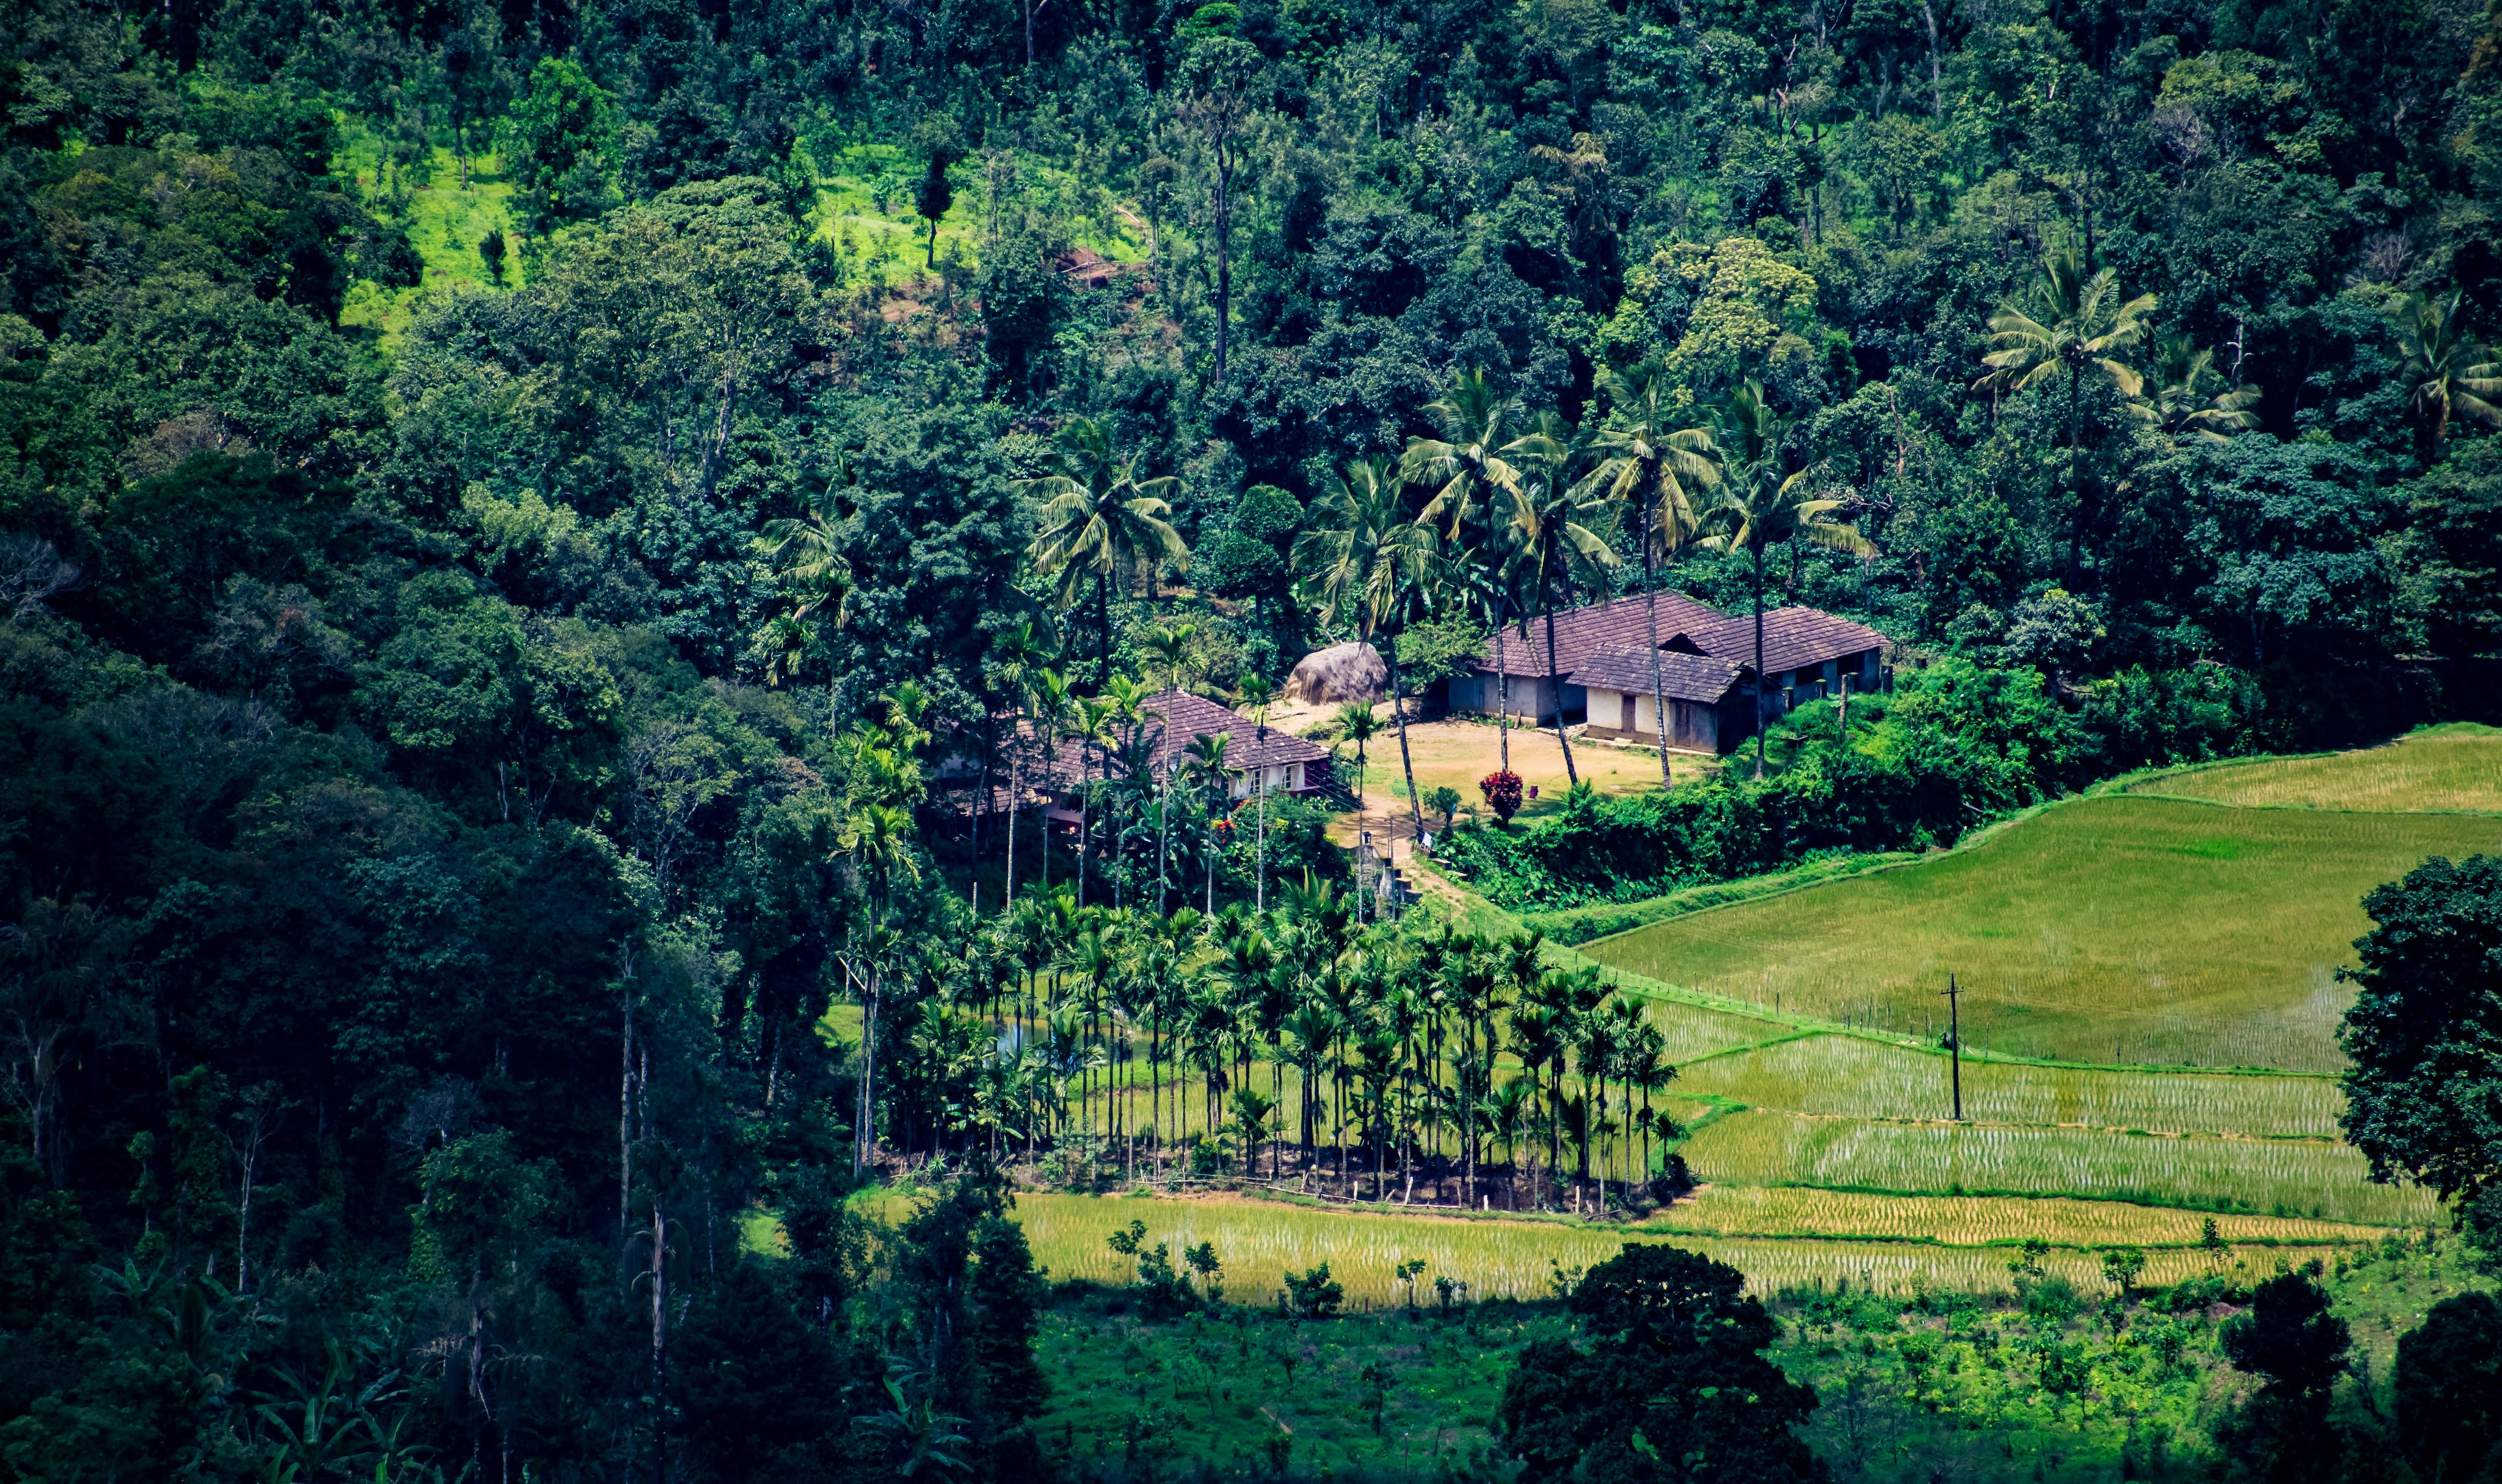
x: 1602, y: 670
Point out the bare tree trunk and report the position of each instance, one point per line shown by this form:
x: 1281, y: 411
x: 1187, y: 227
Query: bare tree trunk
x: 1555, y: 692
x: 659, y: 1347
x: 1658, y: 684
x: 626, y: 1105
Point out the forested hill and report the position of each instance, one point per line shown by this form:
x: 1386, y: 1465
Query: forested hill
x: 528, y: 532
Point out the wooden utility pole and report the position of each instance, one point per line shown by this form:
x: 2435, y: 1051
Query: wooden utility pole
x: 1954, y: 1041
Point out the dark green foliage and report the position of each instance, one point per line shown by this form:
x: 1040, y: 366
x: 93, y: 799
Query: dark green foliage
x: 2448, y: 1381
x: 1669, y: 1383
x: 2291, y: 1341
x: 2422, y: 1031
x: 1958, y: 744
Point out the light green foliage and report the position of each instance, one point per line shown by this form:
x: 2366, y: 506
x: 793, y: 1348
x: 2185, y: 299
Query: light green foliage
x: 2108, y: 929
x: 2293, y: 1177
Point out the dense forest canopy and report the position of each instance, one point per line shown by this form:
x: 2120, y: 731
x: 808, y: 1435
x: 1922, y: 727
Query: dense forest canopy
x: 496, y: 696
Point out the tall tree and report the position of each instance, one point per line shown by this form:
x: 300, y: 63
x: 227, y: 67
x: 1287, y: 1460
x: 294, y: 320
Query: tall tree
x: 1370, y: 568
x: 2071, y: 323
x: 2425, y: 1032
x: 1648, y: 463
x: 1762, y: 502
x: 1099, y: 518
x: 1220, y: 94
x: 1560, y: 529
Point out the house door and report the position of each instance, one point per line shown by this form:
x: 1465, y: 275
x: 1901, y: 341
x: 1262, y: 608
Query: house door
x: 1629, y: 724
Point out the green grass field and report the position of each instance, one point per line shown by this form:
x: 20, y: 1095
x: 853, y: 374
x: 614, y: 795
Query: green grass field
x: 2457, y: 766
x: 1929, y: 1244
x: 2115, y: 929
x: 2284, y: 1177
x: 1978, y: 1221
x: 1848, y: 1076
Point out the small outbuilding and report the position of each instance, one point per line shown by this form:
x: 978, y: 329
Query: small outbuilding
x: 1710, y: 702
x: 1353, y: 671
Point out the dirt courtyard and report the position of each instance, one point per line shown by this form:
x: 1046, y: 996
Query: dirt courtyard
x: 1457, y: 753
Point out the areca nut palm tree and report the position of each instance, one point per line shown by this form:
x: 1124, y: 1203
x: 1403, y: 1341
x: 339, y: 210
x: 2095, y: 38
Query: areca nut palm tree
x: 1204, y: 761
x: 1100, y: 518
x: 1761, y: 504
x: 2447, y: 374
x: 1255, y: 694
x: 1023, y: 649
x: 1356, y: 724
x: 1649, y: 462
x: 1169, y: 645
x: 1559, y: 529
x: 1465, y: 467
x: 1370, y: 567
x: 2071, y: 323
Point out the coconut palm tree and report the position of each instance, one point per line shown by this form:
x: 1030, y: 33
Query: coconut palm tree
x: 806, y: 552
x: 1648, y: 463
x: 1466, y: 466
x: 1099, y: 518
x: 1370, y: 567
x: 2073, y: 325
x: 1762, y: 503
x: 2447, y: 373
x: 1560, y: 531
x: 2190, y: 400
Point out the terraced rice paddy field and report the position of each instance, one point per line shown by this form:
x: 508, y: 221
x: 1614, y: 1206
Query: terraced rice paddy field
x: 1259, y: 1241
x: 1846, y: 1076
x: 2174, y: 947
x: 2118, y: 929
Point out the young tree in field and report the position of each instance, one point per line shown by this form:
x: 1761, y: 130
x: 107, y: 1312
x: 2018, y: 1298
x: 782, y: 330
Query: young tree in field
x: 1762, y: 502
x: 2425, y: 1034
x: 1649, y: 463
x: 1356, y: 724
x: 2071, y: 325
x: 934, y: 196
x: 560, y: 145
x: 1099, y: 519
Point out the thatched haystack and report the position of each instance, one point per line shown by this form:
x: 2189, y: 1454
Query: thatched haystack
x: 1343, y: 672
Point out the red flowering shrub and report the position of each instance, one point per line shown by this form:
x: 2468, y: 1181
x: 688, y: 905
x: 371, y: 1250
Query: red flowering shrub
x: 1502, y: 790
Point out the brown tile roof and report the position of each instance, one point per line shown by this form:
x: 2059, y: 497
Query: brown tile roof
x: 1582, y: 631
x: 1794, y: 639
x: 1682, y: 677
x: 1174, y: 719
